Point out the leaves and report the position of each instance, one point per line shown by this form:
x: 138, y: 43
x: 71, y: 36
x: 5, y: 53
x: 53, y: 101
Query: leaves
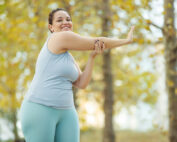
x: 23, y: 30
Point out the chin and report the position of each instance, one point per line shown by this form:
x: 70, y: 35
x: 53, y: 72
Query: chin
x: 67, y: 30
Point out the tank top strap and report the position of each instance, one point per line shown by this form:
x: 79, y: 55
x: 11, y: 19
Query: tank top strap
x: 49, y: 36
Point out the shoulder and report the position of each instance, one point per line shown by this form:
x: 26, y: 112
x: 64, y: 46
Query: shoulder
x: 56, y: 41
x: 64, y: 35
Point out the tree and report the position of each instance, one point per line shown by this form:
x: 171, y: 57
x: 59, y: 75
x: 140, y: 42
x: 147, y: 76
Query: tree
x: 170, y: 42
x: 108, y: 132
x: 17, y: 39
x: 28, y: 31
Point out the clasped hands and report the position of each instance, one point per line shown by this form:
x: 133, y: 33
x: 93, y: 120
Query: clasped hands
x: 99, y: 45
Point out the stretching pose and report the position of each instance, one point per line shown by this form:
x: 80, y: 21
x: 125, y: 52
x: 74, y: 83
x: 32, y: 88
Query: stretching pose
x: 47, y: 113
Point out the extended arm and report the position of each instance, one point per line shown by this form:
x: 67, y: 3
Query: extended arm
x: 68, y: 40
x: 112, y: 43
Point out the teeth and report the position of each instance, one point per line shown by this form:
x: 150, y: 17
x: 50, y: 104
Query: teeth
x: 66, y: 28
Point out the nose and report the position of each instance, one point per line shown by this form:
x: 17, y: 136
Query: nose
x: 65, y: 21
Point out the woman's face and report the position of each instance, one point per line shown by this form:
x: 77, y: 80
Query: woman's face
x: 61, y: 22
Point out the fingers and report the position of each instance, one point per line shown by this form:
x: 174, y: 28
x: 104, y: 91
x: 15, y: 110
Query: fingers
x: 99, y: 47
x: 103, y: 47
x: 132, y: 28
x: 130, y: 34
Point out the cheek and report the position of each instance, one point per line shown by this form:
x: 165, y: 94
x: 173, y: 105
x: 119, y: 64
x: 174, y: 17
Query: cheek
x: 57, y: 24
x: 71, y: 24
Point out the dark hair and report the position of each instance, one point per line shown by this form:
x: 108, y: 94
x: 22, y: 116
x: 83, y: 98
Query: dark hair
x: 51, y: 14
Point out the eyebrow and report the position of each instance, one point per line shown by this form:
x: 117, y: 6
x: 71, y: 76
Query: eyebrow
x: 62, y: 17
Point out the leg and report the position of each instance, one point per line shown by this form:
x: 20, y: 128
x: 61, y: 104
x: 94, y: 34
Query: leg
x: 67, y: 129
x: 38, y: 122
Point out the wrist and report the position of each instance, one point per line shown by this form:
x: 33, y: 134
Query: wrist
x: 92, y: 55
x: 128, y: 41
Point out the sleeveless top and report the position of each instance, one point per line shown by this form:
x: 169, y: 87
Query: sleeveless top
x: 52, y: 81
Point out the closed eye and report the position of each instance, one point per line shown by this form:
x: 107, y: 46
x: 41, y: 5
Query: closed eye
x: 62, y: 20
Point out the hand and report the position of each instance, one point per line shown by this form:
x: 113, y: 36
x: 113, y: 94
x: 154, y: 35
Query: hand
x: 130, y: 35
x: 99, y: 48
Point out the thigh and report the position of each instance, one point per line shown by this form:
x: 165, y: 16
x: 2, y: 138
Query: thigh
x: 38, y: 123
x: 67, y: 129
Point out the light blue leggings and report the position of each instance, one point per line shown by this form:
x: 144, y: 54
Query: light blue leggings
x: 46, y: 124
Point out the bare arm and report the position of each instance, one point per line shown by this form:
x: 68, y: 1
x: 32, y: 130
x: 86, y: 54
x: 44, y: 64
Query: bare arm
x: 113, y: 43
x: 84, y: 78
x: 68, y: 40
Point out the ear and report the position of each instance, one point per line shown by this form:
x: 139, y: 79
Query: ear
x: 50, y: 27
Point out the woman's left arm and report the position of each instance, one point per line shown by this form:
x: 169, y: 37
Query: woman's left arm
x: 85, y: 76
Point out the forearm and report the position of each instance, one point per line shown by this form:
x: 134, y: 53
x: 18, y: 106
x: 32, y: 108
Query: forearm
x: 113, y: 43
x: 72, y: 41
x: 86, y: 74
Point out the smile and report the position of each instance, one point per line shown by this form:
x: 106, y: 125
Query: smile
x: 65, y: 27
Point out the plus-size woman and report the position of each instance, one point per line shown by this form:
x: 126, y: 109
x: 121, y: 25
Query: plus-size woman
x: 47, y: 113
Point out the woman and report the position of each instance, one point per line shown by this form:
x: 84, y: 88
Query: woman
x: 48, y: 113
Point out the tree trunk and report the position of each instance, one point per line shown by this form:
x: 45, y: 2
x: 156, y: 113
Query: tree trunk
x: 171, y: 66
x: 108, y: 132
x: 15, y: 129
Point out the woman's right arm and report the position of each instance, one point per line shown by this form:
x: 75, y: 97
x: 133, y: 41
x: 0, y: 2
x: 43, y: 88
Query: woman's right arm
x: 113, y: 43
x: 68, y: 40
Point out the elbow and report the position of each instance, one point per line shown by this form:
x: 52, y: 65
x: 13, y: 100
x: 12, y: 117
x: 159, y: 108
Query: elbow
x: 82, y: 86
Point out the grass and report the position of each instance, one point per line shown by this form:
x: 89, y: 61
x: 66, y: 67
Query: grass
x: 126, y: 136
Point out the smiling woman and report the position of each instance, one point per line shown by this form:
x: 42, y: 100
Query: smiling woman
x: 48, y: 113
x: 60, y: 20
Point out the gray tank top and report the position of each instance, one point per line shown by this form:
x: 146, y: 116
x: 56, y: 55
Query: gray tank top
x: 52, y: 81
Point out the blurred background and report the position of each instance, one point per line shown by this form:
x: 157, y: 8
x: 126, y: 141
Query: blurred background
x: 131, y: 87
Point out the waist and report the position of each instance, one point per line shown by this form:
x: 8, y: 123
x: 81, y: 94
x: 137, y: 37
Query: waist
x: 62, y: 99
